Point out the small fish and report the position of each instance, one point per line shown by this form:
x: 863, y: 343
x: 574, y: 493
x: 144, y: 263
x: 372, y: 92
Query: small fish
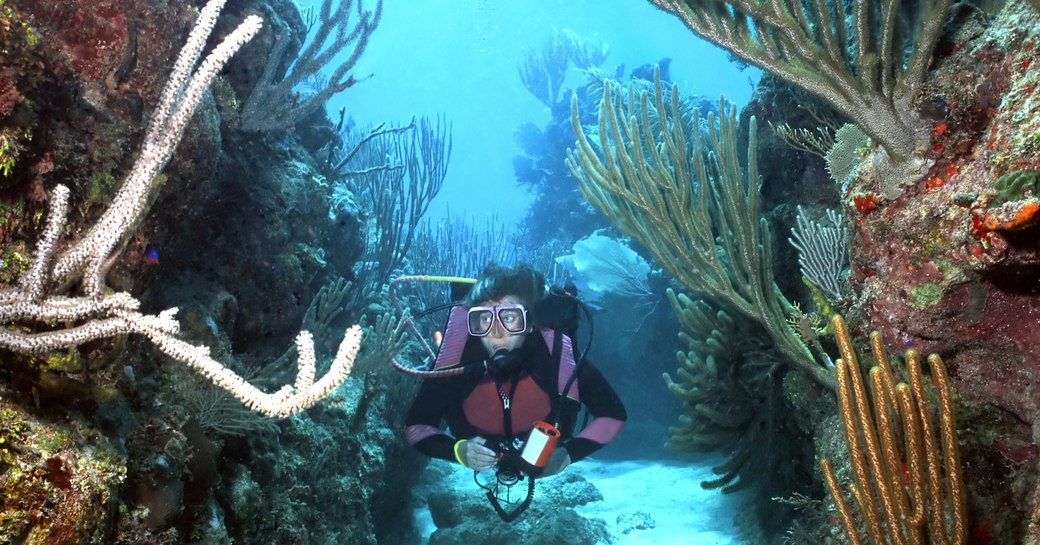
x: 438, y: 337
x: 151, y: 257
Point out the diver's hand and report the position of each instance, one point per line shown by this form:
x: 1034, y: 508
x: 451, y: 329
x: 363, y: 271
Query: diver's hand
x: 474, y: 455
x: 558, y: 461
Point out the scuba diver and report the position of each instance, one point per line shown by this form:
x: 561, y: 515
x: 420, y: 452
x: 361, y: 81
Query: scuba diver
x: 507, y: 383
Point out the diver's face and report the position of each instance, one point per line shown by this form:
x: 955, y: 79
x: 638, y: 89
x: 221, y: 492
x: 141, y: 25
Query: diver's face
x: 497, y: 337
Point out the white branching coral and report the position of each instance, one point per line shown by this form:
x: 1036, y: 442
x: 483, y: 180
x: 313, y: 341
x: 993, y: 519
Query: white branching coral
x: 179, y: 100
x: 38, y: 317
x: 822, y: 251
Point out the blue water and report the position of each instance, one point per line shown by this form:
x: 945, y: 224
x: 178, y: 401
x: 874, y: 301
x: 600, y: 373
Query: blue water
x: 461, y: 59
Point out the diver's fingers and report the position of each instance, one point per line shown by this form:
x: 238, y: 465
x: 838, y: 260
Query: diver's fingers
x: 476, y: 456
x: 484, y: 458
x: 483, y: 451
x: 480, y: 466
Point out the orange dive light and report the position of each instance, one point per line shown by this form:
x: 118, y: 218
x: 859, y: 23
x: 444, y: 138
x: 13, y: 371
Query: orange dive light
x: 539, y: 447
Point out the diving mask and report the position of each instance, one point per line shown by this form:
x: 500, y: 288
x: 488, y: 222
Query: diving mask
x: 512, y: 318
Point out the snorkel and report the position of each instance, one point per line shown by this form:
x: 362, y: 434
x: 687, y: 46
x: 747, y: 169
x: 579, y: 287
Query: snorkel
x: 402, y: 314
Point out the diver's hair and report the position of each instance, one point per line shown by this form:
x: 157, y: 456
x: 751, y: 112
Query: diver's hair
x: 497, y: 281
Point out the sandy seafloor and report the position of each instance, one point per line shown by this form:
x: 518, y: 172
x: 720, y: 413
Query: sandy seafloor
x: 666, y: 495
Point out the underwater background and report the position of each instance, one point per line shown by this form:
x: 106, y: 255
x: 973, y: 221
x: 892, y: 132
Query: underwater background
x: 816, y: 296
x: 462, y: 60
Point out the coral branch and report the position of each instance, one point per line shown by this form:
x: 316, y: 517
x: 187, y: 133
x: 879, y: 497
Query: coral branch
x: 179, y: 100
x: 896, y: 495
x: 272, y: 106
x: 691, y: 206
x: 855, y: 64
x: 30, y: 311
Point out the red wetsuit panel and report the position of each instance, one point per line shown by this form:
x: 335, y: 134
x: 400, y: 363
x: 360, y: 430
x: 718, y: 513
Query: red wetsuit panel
x: 483, y: 406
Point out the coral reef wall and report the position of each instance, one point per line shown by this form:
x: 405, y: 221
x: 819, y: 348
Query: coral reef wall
x: 111, y: 442
x: 949, y: 265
